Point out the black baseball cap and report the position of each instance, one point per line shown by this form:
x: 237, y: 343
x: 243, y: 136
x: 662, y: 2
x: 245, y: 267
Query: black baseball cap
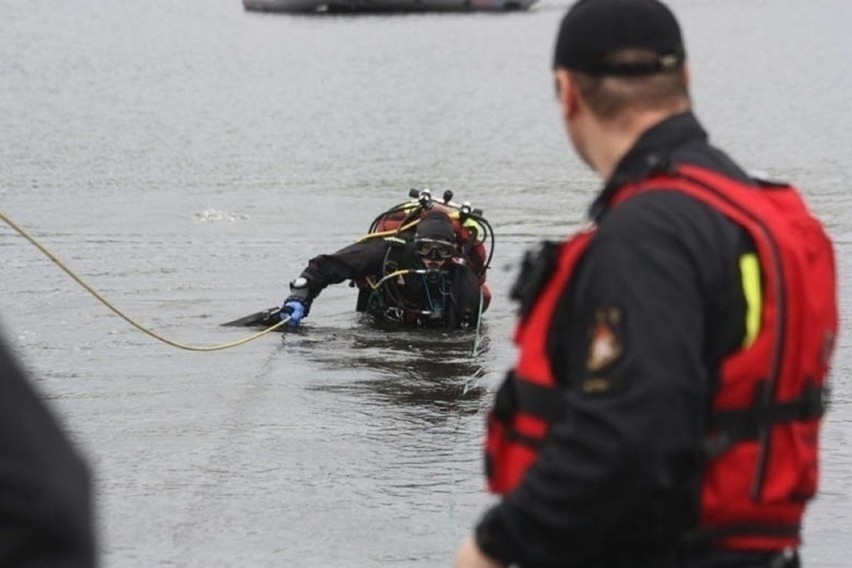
x: 592, y: 30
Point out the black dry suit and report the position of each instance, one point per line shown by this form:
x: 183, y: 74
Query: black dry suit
x: 395, y: 285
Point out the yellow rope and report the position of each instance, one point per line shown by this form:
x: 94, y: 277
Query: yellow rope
x: 387, y: 277
x: 396, y: 231
x: 129, y: 320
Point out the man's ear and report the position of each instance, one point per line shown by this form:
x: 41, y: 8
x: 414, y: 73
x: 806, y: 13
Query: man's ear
x: 566, y: 93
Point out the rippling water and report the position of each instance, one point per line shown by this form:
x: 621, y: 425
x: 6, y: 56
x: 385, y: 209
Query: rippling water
x: 187, y: 158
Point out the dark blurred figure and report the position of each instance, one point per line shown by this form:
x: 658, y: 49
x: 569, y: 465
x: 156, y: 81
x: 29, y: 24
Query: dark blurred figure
x: 46, y: 516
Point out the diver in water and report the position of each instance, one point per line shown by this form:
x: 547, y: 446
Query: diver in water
x: 422, y: 264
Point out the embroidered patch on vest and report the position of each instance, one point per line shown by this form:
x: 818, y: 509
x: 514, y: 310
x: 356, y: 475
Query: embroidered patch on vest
x: 606, y: 343
x: 596, y: 385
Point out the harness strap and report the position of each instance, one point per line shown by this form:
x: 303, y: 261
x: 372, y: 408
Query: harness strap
x: 743, y: 424
x: 705, y: 537
x: 519, y: 396
x: 539, y: 400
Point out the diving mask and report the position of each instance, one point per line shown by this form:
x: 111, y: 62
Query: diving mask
x: 434, y: 249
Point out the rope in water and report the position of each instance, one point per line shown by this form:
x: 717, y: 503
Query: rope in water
x: 478, y: 326
x: 21, y: 231
x: 469, y: 383
x: 121, y: 314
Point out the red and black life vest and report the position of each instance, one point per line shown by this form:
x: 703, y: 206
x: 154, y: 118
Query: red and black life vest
x: 762, y: 443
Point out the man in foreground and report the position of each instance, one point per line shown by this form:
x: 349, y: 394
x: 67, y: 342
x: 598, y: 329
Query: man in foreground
x: 665, y: 407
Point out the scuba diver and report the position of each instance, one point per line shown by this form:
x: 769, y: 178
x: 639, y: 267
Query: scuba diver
x: 422, y: 263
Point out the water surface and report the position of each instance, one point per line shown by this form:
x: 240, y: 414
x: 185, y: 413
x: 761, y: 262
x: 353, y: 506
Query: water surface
x: 187, y: 158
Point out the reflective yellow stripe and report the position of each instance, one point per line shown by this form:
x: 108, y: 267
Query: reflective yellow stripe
x: 475, y: 227
x: 750, y: 271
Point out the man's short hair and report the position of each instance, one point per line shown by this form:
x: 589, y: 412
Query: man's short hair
x: 609, y: 96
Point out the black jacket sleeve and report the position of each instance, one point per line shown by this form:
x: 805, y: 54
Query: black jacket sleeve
x: 620, y: 469
x: 45, y: 502
x: 353, y: 262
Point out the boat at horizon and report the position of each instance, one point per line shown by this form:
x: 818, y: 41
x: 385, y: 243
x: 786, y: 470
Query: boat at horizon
x: 344, y: 6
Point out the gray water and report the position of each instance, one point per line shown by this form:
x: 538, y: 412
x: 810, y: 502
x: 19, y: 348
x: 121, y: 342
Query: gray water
x: 187, y: 158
